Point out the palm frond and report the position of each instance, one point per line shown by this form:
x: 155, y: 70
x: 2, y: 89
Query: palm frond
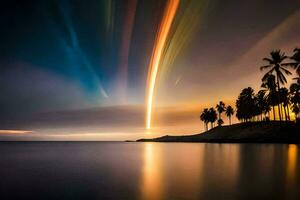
x: 292, y: 64
x: 265, y: 67
x: 263, y: 85
x: 298, y: 70
x: 286, y: 71
x: 283, y: 57
x: 268, y: 60
x: 297, y: 50
x: 281, y: 78
x: 266, y: 76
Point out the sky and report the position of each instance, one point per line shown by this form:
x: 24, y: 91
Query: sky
x: 82, y: 70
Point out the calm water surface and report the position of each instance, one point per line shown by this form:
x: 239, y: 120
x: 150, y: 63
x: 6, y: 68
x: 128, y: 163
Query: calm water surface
x: 115, y: 170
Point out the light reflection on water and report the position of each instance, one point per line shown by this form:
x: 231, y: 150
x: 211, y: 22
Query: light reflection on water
x: 292, y: 162
x: 209, y: 171
x: 291, y: 172
x: 152, y: 175
x: 186, y: 173
x: 146, y: 171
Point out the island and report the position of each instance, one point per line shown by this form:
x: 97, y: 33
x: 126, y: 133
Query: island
x: 250, y: 132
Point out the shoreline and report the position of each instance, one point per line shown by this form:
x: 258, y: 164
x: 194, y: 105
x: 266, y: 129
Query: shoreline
x: 273, y: 132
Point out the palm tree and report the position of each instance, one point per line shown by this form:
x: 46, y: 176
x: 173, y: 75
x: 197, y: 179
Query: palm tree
x: 205, y: 118
x: 212, y: 116
x: 267, y: 112
x: 220, y: 108
x: 269, y: 85
x: 296, y: 59
x: 261, y: 103
x: 296, y: 110
x: 295, y: 97
x: 245, y: 105
x: 229, y: 112
x: 284, y: 96
x: 220, y: 122
x: 276, y: 65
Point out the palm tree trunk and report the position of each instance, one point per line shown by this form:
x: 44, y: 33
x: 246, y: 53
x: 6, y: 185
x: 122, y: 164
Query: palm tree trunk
x: 279, y: 112
x: 273, y: 113
x: 288, y: 111
x: 229, y: 120
x: 279, y: 102
x: 285, y: 115
x: 265, y: 116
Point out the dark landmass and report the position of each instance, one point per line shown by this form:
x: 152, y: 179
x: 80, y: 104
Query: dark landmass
x: 252, y: 132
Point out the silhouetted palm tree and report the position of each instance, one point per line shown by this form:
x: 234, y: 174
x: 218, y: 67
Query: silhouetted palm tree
x: 276, y: 65
x: 267, y: 112
x: 220, y: 108
x: 220, y: 122
x: 246, y: 104
x: 269, y: 85
x: 251, y: 106
x: 296, y: 110
x: 284, y: 97
x: 295, y: 97
x: 205, y: 118
x: 296, y: 59
x: 212, y: 116
x: 261, y: 103
x: 229, y: 112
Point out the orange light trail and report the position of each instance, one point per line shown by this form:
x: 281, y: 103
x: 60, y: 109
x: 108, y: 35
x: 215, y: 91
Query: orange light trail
x: 159, y: 45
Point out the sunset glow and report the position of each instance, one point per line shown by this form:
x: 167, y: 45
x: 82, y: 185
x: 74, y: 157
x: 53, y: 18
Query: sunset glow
x: 150, y: 99
x: 14, y: 132
x: 129, y: 69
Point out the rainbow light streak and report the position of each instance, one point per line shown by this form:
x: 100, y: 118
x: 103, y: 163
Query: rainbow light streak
x: 160, y: 41
x: 125, y: 47
x: 188, y: 22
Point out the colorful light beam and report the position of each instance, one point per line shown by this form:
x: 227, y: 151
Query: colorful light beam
x: 125, y: 48
x: 188, y: 22
x: 157, y: 52
x: 70, y: 38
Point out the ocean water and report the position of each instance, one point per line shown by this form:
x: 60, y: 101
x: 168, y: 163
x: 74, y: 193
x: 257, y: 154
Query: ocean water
x: 119, y: 170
